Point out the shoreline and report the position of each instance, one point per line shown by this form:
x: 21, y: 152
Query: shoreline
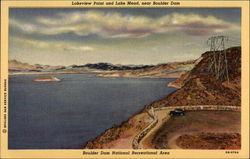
x: 98, y: 74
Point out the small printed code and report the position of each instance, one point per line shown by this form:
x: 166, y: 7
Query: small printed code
x: 232, y: 152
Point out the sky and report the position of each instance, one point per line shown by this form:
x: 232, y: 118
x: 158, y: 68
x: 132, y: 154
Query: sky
x: 67, y: 36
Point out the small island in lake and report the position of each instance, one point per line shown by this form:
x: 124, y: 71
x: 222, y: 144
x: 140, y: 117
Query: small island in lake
x: 47, y: 79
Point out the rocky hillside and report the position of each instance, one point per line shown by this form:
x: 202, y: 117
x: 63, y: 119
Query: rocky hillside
x: 199, y: 86
x: 168, y: 70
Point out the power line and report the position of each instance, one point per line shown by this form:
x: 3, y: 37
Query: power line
x: 218, y: 59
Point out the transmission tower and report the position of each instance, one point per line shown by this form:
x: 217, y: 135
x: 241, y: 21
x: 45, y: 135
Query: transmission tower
x: 218, y: 65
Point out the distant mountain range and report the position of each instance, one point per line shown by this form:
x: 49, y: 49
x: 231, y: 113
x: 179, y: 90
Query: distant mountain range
x: 111, y: 67
x: 168, y: 70
x: 17, y: 66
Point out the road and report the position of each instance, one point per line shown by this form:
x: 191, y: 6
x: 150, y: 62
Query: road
x: 160, y: 116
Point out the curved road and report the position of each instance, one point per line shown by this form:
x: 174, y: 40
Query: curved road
x: 160, y: 115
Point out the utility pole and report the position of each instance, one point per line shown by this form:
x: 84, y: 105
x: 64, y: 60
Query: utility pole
x: 218, y: 60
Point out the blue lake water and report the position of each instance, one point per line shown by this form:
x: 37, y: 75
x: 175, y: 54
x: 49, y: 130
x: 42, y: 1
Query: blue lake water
x: 67, y: 114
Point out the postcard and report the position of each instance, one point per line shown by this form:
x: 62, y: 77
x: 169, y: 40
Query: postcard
x: 124, y: 79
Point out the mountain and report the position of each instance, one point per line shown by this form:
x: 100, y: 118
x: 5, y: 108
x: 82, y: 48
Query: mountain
x: 110, y: 67
x: 168, y: 70
x: 17, y: 66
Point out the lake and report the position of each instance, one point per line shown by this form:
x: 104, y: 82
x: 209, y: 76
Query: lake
x: 67, y: 114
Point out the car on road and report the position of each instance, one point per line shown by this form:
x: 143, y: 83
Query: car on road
x: 177, y: 112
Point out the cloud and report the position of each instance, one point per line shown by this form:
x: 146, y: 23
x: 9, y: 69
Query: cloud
x: 25, y: 27
x: 117, y: 25
x: 78, y: 48
x: 51, y: 45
